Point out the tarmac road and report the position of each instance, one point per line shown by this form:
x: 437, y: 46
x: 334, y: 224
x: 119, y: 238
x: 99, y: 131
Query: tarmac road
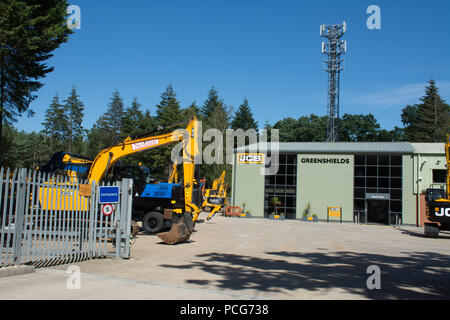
x: 229, y: 258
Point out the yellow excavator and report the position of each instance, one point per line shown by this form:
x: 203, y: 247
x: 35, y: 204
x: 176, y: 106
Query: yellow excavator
x: 181, y: 217
x: 438, y: 204
x: 173, y: 178
x: 66, y: 163
x: 216, y: 197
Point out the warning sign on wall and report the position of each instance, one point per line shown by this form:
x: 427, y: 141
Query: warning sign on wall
x: 334, y: 212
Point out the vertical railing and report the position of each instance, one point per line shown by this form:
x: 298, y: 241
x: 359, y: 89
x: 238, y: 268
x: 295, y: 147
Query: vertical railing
x: 45, y: 220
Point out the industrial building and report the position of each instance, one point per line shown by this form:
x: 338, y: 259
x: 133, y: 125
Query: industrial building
x: 380, y: 183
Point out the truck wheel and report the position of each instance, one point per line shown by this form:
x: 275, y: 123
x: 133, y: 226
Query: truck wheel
x: 431, y: 230
x: 153, y: 222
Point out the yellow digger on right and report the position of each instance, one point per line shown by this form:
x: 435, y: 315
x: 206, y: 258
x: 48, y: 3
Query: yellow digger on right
x: 216, y: 197
x: 438, y: 204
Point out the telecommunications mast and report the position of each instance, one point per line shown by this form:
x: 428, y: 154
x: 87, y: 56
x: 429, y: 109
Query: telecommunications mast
x: 333, y: 49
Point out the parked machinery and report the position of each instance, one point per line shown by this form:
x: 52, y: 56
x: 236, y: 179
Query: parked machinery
x: 216, y: 197
x: 438, y: 203
x: 173, y: 178
x: 69, y: 164
x: 182, y: 211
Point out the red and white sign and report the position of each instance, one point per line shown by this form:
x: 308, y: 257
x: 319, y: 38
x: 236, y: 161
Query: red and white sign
x: 107, y: 209
x: 144, y: 144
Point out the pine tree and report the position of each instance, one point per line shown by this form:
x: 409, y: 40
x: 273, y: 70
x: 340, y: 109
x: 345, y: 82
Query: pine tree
x: 114, y: 118
x: 29, y: 32
x: 98, y: 137
x: 136, y: 123
x: 74, y: 108
x: 243, y: 118
x: 212, y: 102
x: 132, y: 120
x: 216, y: 115
x: 168, y: 111
x: 55, y: 126
x: 107, y: 130
x: 429, y: 121
x: 192, y: 111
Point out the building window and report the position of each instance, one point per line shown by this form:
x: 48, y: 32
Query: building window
x: 283, y: 185
x: 439, y: 176
x: 379, y: 177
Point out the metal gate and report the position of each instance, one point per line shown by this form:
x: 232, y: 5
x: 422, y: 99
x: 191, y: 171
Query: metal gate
x: 45, y: 220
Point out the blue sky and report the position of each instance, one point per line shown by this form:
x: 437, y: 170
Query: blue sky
x: 267, y: 51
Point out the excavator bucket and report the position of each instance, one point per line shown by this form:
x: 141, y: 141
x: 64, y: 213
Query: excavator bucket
x: 181, y: 230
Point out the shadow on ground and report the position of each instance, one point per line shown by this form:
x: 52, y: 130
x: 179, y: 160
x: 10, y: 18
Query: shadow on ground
x: 420, y: 234
x: 420, y: 275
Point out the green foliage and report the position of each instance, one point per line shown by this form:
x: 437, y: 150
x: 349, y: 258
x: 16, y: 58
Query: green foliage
x: 63, y: 128
x: 55, y: 126
x: 212, y: 102
x: 132, y: 120
x: 306, y: 129
x: 29, y: 32
x: 428, y: 121
x: 168, y: 112
x: 114, y: 118
x: 276, y: 202
x: 354, y: 128
x: 307, y: 210
x: 243, y: 118
x: 137, y: 122
x: 107, y: 131
x: 192, y: 111
x: 24, y: 150
x: 97, y: 137
x: 217, y: 115
x: 74, y: 109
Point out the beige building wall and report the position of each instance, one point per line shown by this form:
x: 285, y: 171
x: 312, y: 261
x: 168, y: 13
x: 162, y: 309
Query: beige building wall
x: 325, y: 184
x: 332, y: 184
x: 420, y: 178
x: 427, y: 163
x: 409, y: 212
x: 249, y: 188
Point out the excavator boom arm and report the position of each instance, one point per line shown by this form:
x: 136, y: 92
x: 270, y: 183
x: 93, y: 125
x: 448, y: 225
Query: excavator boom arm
x: 108, y: 157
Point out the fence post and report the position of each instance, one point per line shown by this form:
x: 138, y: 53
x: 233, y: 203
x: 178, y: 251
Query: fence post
x: 118, y: 222
x: 126, y: 203
x: 19, y: 215
x: 92, y: 217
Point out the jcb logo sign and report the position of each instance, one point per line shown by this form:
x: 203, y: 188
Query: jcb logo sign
x: 442, y: 212
x: 253, y: 158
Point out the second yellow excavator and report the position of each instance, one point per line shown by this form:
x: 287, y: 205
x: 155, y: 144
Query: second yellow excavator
x: 216, y: 197
x: 173, y: 178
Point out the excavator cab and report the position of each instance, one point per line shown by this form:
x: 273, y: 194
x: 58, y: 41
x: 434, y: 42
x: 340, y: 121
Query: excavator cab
x: 433, y: 194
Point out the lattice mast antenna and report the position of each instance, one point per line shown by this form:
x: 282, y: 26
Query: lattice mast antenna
x: 334, y: 48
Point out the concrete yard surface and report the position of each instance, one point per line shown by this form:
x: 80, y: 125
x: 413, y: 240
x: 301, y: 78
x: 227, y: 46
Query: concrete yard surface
x: 229, y: 258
